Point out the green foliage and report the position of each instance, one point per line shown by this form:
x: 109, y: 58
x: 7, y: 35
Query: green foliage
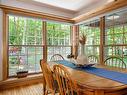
x: 24, y: 31
x: 13, y: 60
x: 27, y: 31
x: 93, y: 34
x: 57, y: 34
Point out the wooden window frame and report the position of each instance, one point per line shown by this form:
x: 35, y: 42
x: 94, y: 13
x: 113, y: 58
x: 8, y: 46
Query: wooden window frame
x: 14, y: 10
x: 70, y: 38
x: 113, y: 45
x: 5, y: 46
x: 5, y: 41
x: 102, y: 39
x: 5, y: 64
x: 93, y: 25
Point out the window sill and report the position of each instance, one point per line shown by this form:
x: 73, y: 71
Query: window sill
x: 14, y: 82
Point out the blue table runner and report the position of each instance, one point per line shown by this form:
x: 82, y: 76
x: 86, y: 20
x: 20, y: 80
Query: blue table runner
x: 113, y: 75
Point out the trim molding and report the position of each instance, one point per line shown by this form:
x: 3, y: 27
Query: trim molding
x: 102, y: 39
x: 105, y: 9
x: 11, y: 83
x: 15, y: 10
x: 44, y: 32
x: 99, y: 11
x: 5, y: 46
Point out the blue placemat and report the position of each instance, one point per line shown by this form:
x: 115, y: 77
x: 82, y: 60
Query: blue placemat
x: 113, y: 75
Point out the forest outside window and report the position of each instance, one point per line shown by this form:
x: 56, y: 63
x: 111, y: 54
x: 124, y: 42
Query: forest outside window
x: 25, y: 47
x: 92, y: 31
x: 25, y: 40
x: 58, y: 39
x: 116, y: 35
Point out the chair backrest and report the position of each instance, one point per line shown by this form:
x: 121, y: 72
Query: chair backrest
x: 65, y: 83
x: 115, y: 62
x: 56, y: 57
x: 93, y: 58
x: 48, y: 75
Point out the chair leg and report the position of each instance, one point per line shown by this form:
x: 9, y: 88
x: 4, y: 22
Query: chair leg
x: 44, y: 90
x: 44, y: 86
x: 46, y: 93
x: 53, y: 93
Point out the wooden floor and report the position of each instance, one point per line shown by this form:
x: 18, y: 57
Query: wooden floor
x: 36, y: 89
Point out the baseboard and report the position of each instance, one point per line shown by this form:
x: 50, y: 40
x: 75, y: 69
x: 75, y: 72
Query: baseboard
x: 14, y: 82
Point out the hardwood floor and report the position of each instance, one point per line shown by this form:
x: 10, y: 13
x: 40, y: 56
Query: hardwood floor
x: 35, y: 89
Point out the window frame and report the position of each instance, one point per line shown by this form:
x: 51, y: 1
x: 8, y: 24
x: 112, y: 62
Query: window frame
x: 6, y: 44
x: 54, y: 46
x: 91, y: 25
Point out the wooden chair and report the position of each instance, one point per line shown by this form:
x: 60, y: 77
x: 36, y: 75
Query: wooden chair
x: 93, y: 58
x: 56, y: 57
x: 66, y: 85
x: 115, y: 62
x: 49, y: 82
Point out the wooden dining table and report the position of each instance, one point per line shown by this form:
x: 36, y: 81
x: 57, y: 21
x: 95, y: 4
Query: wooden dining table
x: 91, y: 84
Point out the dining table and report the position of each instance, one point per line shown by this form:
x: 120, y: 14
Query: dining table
x: 94, y: 84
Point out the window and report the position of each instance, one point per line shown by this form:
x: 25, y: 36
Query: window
x: 25, y: 44
x: 116, y: 35
x: 92, y: 30
x: 58, y: 39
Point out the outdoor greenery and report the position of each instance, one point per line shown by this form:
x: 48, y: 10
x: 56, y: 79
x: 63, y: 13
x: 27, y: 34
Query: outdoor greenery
x: 58, y: 39
x: 115, y: 38
x: 114, y: 35
x: 26, y: 42
x: 92, y: 30
x: 58, y: 34
x: 24, y: 31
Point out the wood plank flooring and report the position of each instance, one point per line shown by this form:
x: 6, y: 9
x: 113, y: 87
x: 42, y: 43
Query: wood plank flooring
x: 34, y: 89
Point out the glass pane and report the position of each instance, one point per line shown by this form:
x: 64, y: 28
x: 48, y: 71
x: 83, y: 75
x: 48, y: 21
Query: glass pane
x: 58, y: 39
x: 24, y: 31
x: 115, y: 35
x: 92, y: 50
x: 119, y: 51
x: 58, y: 34
x: 92, y: 30
x: 64, y: 51
x: 125, y: 38
x: 25, y: 44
